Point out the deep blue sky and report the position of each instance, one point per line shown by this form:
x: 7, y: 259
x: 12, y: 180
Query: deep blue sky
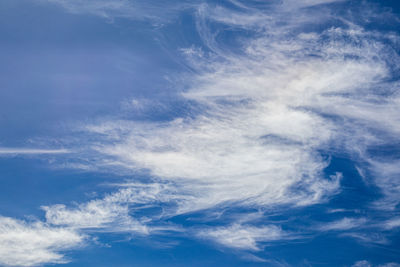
x: 199, y: 133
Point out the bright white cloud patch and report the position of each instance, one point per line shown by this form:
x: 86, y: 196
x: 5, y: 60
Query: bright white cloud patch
x: 221, y: 160
x: 29, y: 244
x: 243, y: 236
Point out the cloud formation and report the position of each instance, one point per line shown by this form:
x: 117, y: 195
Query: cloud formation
x: 36, y: 243
x: 343, y: 224
x: 267, y: 118
x: 269, y: 113
x: 33, y: 151
x: 392, y: 223
x: 365, y: 263
x: 243, y: 237
x: 113, y: 213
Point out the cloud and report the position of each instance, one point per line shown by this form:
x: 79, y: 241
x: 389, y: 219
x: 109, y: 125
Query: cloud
x: 243, y: 236
x: 365, y: 263
x: 362, y: 263
x: 94, y: 215
x: 267, y: 116
x: 155, y: 11
x: 372, y: 237
x: 343, y: 224
x: 309, y: 3
x: 388, y: 172
x: 35, y: 243
x: 202, y: 157
x: 113, y: 213
x: 392, y: 223
x: 27, y: 151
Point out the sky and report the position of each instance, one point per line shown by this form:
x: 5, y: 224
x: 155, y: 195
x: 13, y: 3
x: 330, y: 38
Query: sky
x: 200, y: 133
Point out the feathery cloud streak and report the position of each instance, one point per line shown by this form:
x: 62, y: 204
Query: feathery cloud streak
x: 27, y: 151
x: 155, y: 11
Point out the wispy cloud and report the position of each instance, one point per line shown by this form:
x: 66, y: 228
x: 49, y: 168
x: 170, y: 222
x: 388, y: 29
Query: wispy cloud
x: 38, y: 242
x: 362, y: 263
x: 343, y: 224
x: 120, y: 211
x: 269, y: 113
x: 27, y: 151
x: 365, y: 263
x: 34, y: 243
x: 386, y: 173
x: 155, y: 11
x: 266, y: 115
x: 111, y: 213
x: 392, y: 223
x: 243, y: 236
x: 368, y: 238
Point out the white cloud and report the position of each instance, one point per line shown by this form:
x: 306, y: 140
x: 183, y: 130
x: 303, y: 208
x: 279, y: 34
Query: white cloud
x: 343, y: 224
x: 388, y: 173
x: 94, y: 214
x: 155, y: 11
x: 368, y: 238
x: 308, y: 3
x: 218, y: 163
x: 243, y: 236
x: 27, y: 151
x: 35, y: 243
x: 365, y: 263
x: 268, y: 113
x: 362, y: 263
x: 268, y: 116
x: 104, y: 8
x: 392, y: 223
x: 113, y: 213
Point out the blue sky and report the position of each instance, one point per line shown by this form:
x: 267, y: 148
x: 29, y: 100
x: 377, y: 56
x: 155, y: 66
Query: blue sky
x: 201, y: 133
